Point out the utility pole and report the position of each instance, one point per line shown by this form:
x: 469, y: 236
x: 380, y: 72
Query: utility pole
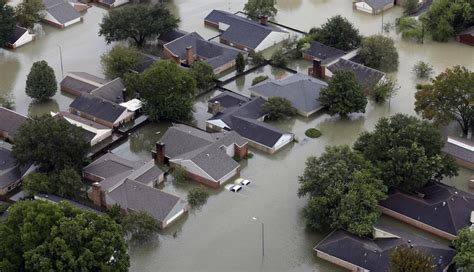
x: 61, y: 59
x: 263, y: 235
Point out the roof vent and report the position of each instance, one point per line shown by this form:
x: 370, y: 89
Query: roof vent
x: 456, y: 192
x: 444, y: 203
x: 409, y: 241
x: 207, y: 154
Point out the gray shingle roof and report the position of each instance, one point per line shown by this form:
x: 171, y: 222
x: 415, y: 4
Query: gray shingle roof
x: 61, y: 10
x: 11, y: 121
x: 110, y: 165
x: 172, y: 35
x: 323, y: 52
x: 145, y: 63
x: 10, y: 171
x: 301, y: 90
x: 229, y: 99
x: 77, y: 85
x: 18, y: 31
x: 366, y: 76
x: 112, y: 91
x: 97, y: 107
x: 378, y: 4
x: 374, y: 254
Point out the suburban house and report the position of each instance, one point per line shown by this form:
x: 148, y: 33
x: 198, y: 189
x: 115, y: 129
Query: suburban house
x: 244, y: 33
x: 93, y: 131
x: 99, y: 110
x: 301, y: 90
x: 60, y: 13
x: 372, y: 6
x: 191, y: 47
x: 10, y: 122
x: 326, y: 54
x: 461, y: 150
x: 366, y: 76
x: 11, y: 173
x: 77, y: 83
x: 373, y: 254
x: 19, y: 37
x: 112, y: 3
x: 246, y: 117
x: 208, y: 158
x: 113, y: 91
x: 130, y: 184
x: 466, y: 36
x: 436, y: 208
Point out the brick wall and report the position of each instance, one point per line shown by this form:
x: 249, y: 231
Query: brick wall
x: 241, y: 152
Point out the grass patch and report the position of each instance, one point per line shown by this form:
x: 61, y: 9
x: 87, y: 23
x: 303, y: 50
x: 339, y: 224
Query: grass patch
x: 313, y: 133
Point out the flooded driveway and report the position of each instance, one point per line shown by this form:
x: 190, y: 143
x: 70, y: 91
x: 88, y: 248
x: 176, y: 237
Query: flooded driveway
x: 222, y: 235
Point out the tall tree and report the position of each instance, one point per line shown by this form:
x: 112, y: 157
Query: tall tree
x: 29, y: 12
x: 337, y: 32
x: 464, y: 245
x: 343, y: 95
x: 260, y: 8
x: 167, y: 90
x: 137, y: 22
x: 51, y: 144
x: 119, y: 60
x: 445, y: 18
x: 43, y: 236
x: 41, y: 82
x: 343, y: 189
x: 411, y: 29
x: 203, y: 74
x: 65, y: 183
x: 448, y: 98
x: 407, y: 151
x: 7, y: 22
x: 379, y: 52
x: 405, y: 259
x: 410, y: 6
x: 240, y: 63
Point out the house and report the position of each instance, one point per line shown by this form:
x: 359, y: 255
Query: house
x: 11, y: 173
x: 93, y: 131
x: 60, y: 13
x: 77, y: 83
x: 372, y: 6
x: 301, y: 90
x: 171, y: 36
x: 245, y: 116
x: 112, y: 3
x: 244, y: 33
x: 206, y: 157
x: 191, y: 47
x: 10, y: 122
x: 19, y: 37
x: 373, y: 254
x: 130, y: 184
x: 436, y: 208
x: 113, y: 91
x: 466, y: 36
x: 366, y: 76
x: 461, y: 150
x: 326, y: 54
x: 99, y: 110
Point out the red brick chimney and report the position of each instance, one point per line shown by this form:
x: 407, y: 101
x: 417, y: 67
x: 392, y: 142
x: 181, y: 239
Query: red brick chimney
x: 96, y: 195
x: 189, y: 55
x: 160, y: 153
x: 264, y: 20
x: 318, y: 70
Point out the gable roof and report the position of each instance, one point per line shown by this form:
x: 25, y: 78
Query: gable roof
x: 229, y: 99
x: 443, y: 207
x: 18, y: 31
x: 145, y: 63
x: 374, y: 254
x: 11, y: 121
x: 97, y: 107
x: 366, y: 76
x: 172, y: 35
x: 82, y: 82
x: 110, y: 165
x: 61, y: 10
x: 111, y: 91
x: 378, y: 4
x: 301, y: 90
x: 326, y: 54
x: 241, y: 30
x: 10, y: 170
x: 459, y: 148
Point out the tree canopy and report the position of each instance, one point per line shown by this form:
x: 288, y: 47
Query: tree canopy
x: 279, y: 108
x: 343, y: 189
x: 260, y: 8
x: 167, y: 90
x: 411, y: 29
x: 240, y: 63
x: 407, y: 152
x: 51, y: 144
x: 119, y: 60
x: 337, y: 32
x: 445, y: 18
x: 197, y: 197
x: 410, y: 6
x: 7, y: 22
x: 423, y: 69
x: 448, y: 98
x: 28, y: 13
x: 379, y: 52
x: 203, y: 74
x: 43, y: 236
x: 137, y: 22
x: 343, y: 95
x: 65, y: 183
x: 464, y: 245
x: 405, y: 259
x: 41, y: 82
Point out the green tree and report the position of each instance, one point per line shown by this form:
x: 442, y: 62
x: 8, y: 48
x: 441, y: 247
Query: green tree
x: 139, y: 226
x: 383, y: 90
x: 343, y: 189
x: 279, y: 58
x: 410, y: 6
x: 119, y: 60
x: 65, y: 183
x: 167, y: 90
x: 407, y: 151
x: 43, y: 236
x: 36, y: 183
x: 464, y: 245
x: 448, y: 98
x: 411, y: 29
x: 257, y: 59
x: 405, y: 259
x: 337, y: 32
x: 423, y: 69
x: 260, y: 8
x: 180, y: 176
x: 343, y: 95
x: 259, y: 79
x: 7, y: 22
x: 197, y: 196
x: 7, y: 102
x: 240, y: 63
x: 29, y: 12
x: 41, y: 82
x: 445, y: 18
x: 137, y: 22
x: 203, y: 73
x: 51, y: 144
x: 379, y: 52
x: 279, y: 108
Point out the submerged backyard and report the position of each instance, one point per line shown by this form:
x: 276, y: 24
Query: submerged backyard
x: 221, y: 235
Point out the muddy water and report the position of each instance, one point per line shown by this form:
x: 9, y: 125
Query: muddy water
x: 221, y: 236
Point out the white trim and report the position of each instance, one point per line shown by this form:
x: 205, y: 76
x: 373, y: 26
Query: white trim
x: 460, y: 144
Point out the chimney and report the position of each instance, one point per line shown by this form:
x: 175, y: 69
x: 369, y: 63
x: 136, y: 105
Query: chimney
x: 318, y: 70
x: 214, y: 107
x: 189, y: 55
x: 160, y: 153
x: 124, y: 94
x: 264, y: 20
x: 96, y: 194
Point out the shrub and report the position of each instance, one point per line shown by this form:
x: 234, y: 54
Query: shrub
x: 257, y: 59
x: 279, y: 59
x: 423, y: 69
x: 313, y: 133
x: 259, y: 79
x: 179, y: 175
x: 197, y: 196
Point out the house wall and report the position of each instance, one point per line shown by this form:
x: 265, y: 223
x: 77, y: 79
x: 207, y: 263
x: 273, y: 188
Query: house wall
x: 90, y: 117
x: 211, y: 24
x: 466, y: 39
x: 73, y: 22
x: 90, y: 177
x: 224, y: 67
x: 195, y: 173
x: 174, y: 218
x: 24, y: 39
x: 363, y: 6
x: 10, y: 187
x: 308, y: 57
x: 241, y: 151
x: 168, y: 55
x: 463, y: 163
x: 273, y: 38
x: 339, y: 262
x: 417, y: 224
x: 69, y: 90
x: 231, y: 175
x: 236, y: 45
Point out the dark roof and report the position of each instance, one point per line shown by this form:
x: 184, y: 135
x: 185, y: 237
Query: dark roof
x: 81, y: 82
x: 18, y: 31
x: 323, y: 52
x: 112, y: 91
x: 468, y: 31
x: 145, y: 63
x: 97, y: 107
x: 172, y: 35
x: 110, y: 165
x: 301, y: 90
x: 442, y: 207
x: 58, y: 199
x: 378, y: 4
x: 455, y: 149
x: 61, y: 10
x: 366, y: 76
x: 241, y: 30
x: 10, y: 170
x: 229, y: 99
x: 374, y: 254
x: 11, y: 121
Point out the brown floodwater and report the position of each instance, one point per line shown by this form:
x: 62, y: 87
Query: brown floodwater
x: 221, y: 236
